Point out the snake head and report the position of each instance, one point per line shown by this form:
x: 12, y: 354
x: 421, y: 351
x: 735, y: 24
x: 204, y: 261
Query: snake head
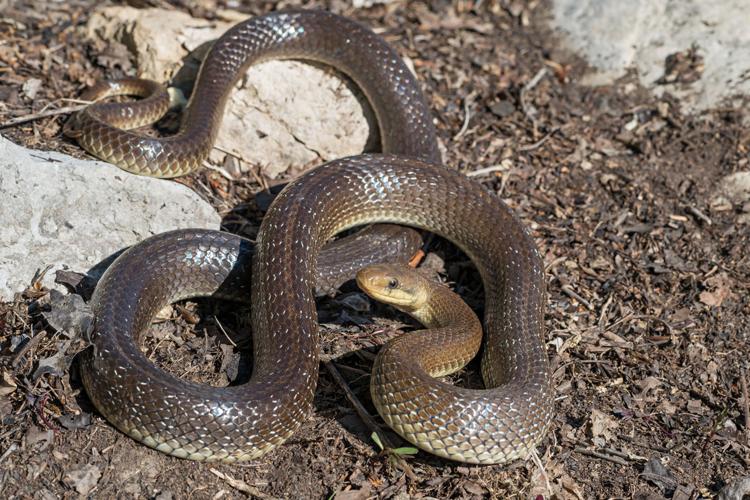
x: 396, y: 284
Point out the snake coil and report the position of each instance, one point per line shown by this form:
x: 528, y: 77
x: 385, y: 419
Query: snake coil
x: 405, y: 186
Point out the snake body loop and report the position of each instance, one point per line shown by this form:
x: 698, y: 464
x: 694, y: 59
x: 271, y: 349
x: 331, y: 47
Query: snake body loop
x: 245, y: 421
x: 242, y: 422
x: 402, y: 114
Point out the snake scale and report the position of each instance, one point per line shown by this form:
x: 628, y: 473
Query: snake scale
x: 404, y: 186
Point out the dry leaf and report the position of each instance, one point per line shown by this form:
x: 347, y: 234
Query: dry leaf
x: 8, y: 385
x: 721, y: 284
x: 648, y: 384
x: 83, y: 479
x: 36, y: 435
x: 602, y: 425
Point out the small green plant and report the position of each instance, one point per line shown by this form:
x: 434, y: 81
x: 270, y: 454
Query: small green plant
x: 397, y: 456
x: 404, y: 450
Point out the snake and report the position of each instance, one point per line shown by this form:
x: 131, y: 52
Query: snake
x: 452, y: 339
x: 390, y: 87
x: 405, y: 185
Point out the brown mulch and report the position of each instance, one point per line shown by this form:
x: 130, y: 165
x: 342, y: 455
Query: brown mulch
x: 648, y: 280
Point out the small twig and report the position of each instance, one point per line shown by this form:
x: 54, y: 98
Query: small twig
x: 570, y: 293
x: 541, y: 141
x: 631, y: 457
x: 486, y: 170
x: 527, y: 109
x: 417, y: 258
x: 28, y: 346
x: 535, y: 457
x: 654, y: 318
x: 221, y: 327
x: 230, y: 153
x: 37, y: 116
x: 260, y: 179
x: 551, y: 266
x: 468, y: 101
x: 626, y: 456
x: 367, y: 418
x: 358, y: 407
x: 220, y: 170
x: 13, y: 447
x: 356, y: 371
x: 603, y: 456
x: 238, y: 484
x: 705, y: 218
x: 584, y: 362
x: 745, y: 402
x: 535, y: 81
x: 603, y: 311
x: 67, y: 99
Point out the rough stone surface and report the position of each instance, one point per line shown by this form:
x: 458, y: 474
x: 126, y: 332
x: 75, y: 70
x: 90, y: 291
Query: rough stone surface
x: 283, y: 113
x: 737, y: 489
x: 359, y: 4
x: 614, y: 35
x: 734, y: 193
x: 737, y: 187
x: 60, y: 211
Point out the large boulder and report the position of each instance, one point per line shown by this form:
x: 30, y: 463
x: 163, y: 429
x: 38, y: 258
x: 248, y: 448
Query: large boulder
x: 59, y: 211
x: 709, y: 43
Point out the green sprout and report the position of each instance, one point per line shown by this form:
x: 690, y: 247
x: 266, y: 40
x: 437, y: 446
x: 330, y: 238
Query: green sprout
x: 402, y: 451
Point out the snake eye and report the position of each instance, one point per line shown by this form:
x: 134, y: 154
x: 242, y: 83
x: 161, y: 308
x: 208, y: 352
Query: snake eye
x: 393, y: 283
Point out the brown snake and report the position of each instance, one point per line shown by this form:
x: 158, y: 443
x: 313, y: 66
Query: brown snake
x: 242, y: 422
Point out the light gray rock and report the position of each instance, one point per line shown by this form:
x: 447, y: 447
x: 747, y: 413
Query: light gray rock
x: 614, y: 35
x: 735, y: 489
x: 736, y: 187
x: 359, y: 4
x: 734, y: 192
x: 282, y: 114
x: 60, y: 211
